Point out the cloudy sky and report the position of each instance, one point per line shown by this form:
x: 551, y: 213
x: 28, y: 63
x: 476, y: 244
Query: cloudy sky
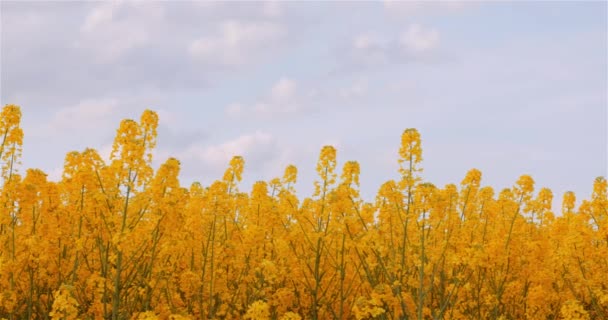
x: 508, y: 88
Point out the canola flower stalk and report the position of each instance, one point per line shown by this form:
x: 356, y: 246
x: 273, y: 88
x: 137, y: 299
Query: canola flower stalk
x: 124, y: 240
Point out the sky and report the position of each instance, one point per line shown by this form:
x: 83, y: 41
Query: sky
x: 509, y: 88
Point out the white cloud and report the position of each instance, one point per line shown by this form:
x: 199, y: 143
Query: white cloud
x: 168, y: 118
x: 102, y: 14
x: 85, y: 115
x: 236, y: 42
x: 417, y: 39
x: 415, y: 43
x: 357, y: 89
x: 272, y: 8
x: 369, y: 49
x: 256, y: 148
x: 92, y: 49
x: 283, y: 90
x: 268, y: 9
x: 289, y: 97
x: 409, y: 8
x: 365, y: 41
x: 234, y: 110
x: 112, y: 29
x: 283, y: 97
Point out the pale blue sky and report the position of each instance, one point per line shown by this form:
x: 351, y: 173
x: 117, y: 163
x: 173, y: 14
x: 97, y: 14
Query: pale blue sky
x: 509, y: 88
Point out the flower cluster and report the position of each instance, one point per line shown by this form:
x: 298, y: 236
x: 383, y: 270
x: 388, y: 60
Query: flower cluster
x: 123, y: 240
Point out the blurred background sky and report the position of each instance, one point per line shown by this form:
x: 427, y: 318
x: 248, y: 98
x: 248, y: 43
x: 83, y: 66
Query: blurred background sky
x: 509, y: 88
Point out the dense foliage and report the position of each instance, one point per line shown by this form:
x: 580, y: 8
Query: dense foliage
x: 121, y: 240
